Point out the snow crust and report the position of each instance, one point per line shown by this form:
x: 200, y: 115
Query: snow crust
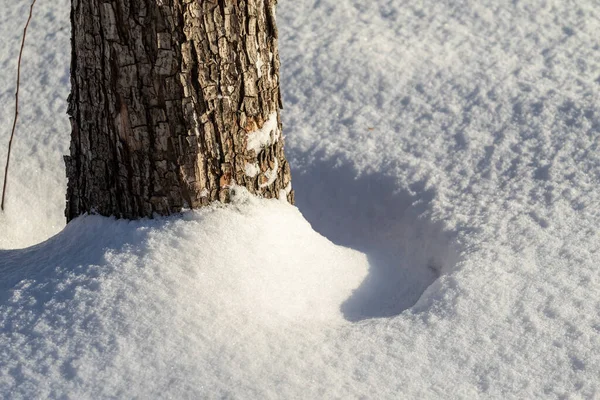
x: 448, y: 150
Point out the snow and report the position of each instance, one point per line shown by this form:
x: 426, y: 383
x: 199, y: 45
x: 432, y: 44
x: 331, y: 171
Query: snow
x: 251, y: 170
x: 446, y: 156
x: 264, y: 136
x: 104, y: 305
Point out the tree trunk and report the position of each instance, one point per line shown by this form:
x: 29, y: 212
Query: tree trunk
x: 173, y: 103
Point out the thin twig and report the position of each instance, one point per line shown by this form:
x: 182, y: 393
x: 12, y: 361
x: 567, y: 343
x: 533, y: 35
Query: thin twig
x: 12, y: 134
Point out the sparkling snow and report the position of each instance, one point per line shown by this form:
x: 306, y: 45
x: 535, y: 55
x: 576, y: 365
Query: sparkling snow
x: 446, y: 156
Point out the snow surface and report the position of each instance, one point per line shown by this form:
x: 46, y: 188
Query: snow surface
x: 446, y: 155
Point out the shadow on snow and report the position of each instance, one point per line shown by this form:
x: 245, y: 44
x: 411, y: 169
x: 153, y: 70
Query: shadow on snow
x: 406, y: 251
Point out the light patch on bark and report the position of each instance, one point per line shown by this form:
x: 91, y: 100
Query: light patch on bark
x: 268, y: 177
x: 259, y: 63
x: 251, y: 170
x: 265, y: 136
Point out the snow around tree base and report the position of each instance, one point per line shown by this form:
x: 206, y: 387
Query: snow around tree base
x: 118, y: 308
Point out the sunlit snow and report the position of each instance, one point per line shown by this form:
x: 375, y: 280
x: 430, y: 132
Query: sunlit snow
x: 446, y: 163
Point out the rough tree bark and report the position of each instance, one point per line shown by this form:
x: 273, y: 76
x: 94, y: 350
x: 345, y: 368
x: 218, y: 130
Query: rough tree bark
x: 173, y: 102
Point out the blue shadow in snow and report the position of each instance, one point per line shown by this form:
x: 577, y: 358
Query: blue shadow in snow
x: 406, y: 251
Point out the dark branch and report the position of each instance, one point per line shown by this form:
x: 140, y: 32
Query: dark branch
x: 12, y: 134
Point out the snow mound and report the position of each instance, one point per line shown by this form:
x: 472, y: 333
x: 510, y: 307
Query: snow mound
x: 107, y: 305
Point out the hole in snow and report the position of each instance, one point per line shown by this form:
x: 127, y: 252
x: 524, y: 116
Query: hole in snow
x: 406, y: 252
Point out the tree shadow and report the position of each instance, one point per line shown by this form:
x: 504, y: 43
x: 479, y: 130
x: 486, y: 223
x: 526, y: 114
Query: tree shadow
x: 406, y: 250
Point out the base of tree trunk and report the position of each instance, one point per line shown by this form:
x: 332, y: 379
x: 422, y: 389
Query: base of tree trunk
x: 173, y: 103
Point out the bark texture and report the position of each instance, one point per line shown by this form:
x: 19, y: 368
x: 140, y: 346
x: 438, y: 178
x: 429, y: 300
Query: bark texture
x: 173, y: 103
